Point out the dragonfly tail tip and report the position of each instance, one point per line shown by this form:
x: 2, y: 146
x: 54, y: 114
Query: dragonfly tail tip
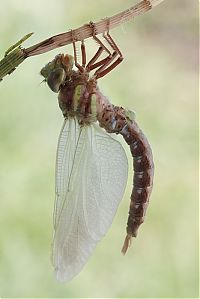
x: 127, y: 244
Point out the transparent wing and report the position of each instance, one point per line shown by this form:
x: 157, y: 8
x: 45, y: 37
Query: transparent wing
x: 91, y: 175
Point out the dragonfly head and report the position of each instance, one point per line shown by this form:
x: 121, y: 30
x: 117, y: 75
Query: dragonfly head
x: 58, y: 71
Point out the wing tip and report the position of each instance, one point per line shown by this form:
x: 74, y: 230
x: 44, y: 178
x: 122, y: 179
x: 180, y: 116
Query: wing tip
x: 62, y: 276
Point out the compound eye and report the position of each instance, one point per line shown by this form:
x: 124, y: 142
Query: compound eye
x: 55, y: 79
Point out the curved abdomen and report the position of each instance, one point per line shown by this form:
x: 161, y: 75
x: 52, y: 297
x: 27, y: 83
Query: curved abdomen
x: 143, y: 175
x: 117, y: 120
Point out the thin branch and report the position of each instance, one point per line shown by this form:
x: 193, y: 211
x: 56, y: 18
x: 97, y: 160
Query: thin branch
x: 85, y: 31
x: 15, y: 55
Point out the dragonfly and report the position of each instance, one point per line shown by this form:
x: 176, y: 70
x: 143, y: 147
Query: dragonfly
x: 91, y: 165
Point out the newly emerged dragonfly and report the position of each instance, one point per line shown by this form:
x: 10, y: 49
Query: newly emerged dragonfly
x: 91, y: 165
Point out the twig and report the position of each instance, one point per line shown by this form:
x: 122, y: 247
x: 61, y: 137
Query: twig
x: 85, y: 31
x: 15, y: 57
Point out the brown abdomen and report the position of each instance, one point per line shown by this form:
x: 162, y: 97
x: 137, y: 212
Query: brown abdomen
x: 117, y: 120
x: 143, y: 175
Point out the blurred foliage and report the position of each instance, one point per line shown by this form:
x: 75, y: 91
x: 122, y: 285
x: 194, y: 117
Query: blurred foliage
x: 159, y: 80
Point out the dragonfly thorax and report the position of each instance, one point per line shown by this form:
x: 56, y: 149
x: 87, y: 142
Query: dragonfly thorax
x: 77, y: 91
x: 77, y: 98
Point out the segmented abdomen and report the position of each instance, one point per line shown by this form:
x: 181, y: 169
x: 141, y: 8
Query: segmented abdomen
x: 143, y: 177
x: 117, y: 120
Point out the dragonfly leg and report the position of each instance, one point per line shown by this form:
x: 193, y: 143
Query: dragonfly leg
x: 83, y: 53
x: 91, y: 64
x: 105, y: 69
x: 112, y: 43
x: 99, y: 42
x: 79, y: 67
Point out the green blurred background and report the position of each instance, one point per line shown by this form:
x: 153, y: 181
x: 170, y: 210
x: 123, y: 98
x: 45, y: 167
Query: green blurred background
x: 159, y: 81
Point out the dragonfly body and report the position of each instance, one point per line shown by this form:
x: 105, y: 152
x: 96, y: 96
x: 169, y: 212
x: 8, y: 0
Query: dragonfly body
x: 91, y: 167
x: 142, y: 164
x: 82, y: 98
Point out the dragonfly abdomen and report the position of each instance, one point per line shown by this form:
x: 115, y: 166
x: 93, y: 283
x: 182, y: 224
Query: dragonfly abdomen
x: 142, y: 181
x: 118, y: 120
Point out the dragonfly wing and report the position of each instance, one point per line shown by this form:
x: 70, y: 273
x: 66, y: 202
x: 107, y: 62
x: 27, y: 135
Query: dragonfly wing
x: 91, y: 175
